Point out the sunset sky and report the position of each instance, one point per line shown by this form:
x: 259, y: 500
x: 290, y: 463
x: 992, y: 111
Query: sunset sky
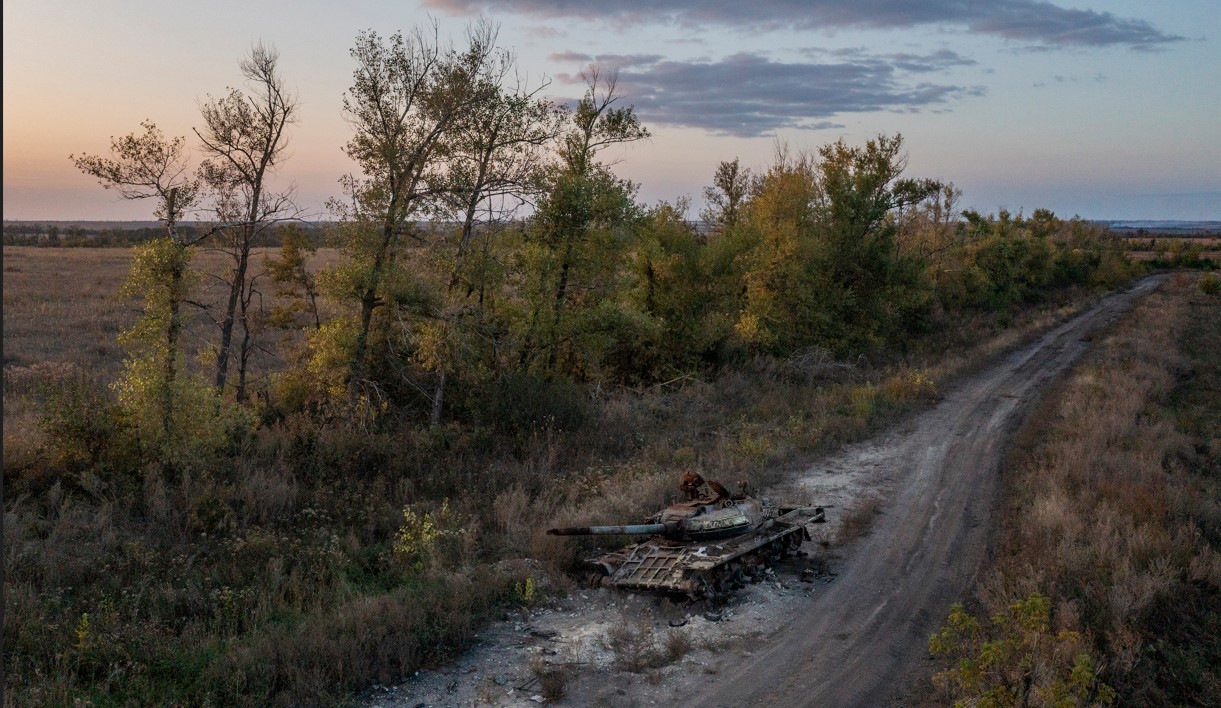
x: 1107, y: 110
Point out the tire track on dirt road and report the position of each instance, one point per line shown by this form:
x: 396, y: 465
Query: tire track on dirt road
x: 858, y: 643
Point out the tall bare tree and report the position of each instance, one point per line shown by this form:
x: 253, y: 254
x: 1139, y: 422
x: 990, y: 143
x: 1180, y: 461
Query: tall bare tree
x: 244, y: 138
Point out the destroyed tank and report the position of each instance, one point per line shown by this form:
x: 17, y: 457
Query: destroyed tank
x: 706, y: 546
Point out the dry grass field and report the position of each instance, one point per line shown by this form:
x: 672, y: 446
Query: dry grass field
x: 62, y: 304
x: 1174, y: 251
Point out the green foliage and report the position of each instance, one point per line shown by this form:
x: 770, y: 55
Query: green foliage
x: 90, y: 439
x: 433, y: 540
x: 730, y: 186
x: 417, y: 537
x: 525, y: 591
x: 296, y: 285
x: 782, y: 306
x: 1210, y: 284
x: 1016, y: 660
x: 200, y: 424
x: 818, y: 246
x: 178, y: 419
x: 682, y: 324
x: 573, y: 268
x: 998, y: 262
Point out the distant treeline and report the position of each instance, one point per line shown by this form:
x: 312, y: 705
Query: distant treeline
x: 125, y: 234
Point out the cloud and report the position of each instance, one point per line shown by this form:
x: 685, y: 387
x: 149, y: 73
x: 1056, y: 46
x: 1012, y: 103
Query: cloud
x: 570, y: 56
x: 939, y: 60
x: 749, y: 95
x: 1036, y: 21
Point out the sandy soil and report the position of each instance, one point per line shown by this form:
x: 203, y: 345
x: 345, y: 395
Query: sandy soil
x: 854, y: 631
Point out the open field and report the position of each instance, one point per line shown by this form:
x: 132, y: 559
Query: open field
x: 1149, y: 256
x: 62, y: 304
x: 1175, y: 251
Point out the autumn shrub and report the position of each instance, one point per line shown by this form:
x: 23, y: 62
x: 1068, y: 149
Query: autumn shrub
x: 1017, y: 659
x: 87, y: 432
x: 910, y: 385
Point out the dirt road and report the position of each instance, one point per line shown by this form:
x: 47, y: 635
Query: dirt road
x: 855, y: 644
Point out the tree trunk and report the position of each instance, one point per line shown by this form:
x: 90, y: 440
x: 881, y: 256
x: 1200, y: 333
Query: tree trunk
x: 561, y: 296
x: 438, y: 397
x: 172, y: 332
x: 173, y: 327
x: 236, y: 286
x: 246, y: 347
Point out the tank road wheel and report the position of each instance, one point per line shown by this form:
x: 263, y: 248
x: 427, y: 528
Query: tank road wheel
x: 794, y: 543
x: 597, y: 578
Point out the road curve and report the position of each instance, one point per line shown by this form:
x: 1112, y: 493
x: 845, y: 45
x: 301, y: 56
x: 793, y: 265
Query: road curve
x: 855, y: 644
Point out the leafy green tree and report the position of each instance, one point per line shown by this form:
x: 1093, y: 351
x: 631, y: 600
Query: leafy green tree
x: 296, y: 285
x: 877, y: 290
x: 573, y: 264
x: 578, y: 235
x: 674, y: 288
x: 494, y: 165
x: 597, y: 123
x: 408, y: 95
x: 782, y: 288
x: 725, y: 198
x: 822, y: 266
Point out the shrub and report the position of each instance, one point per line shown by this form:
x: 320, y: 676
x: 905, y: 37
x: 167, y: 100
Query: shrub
x: 911, y: 385
x: 552, y: 679
x: 1016, y: 660
x: 1210, y: 284
x: 521, y: 404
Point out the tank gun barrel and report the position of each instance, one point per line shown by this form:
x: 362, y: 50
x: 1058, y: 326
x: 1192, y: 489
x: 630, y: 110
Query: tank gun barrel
x: 630, y: 530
